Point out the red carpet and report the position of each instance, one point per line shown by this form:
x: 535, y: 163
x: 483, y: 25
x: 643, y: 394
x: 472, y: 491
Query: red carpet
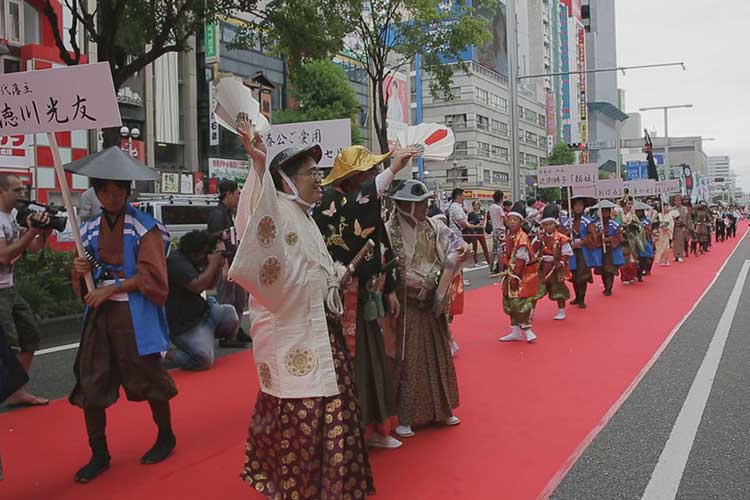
x: 525, y: 408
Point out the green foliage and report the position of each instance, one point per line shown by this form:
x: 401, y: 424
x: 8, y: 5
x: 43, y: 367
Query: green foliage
x: 322, y: 92
x: 561, y: 155
x: 43, y: 279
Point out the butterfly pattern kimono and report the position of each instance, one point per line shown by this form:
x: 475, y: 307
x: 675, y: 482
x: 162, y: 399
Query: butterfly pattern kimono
x: 347, y: 221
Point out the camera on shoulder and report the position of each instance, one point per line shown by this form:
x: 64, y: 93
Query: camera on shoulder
x: 30, y: 207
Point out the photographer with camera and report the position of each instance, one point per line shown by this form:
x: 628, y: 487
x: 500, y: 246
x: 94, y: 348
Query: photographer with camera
x: 194, y: 323
x: 16, y: 317
x: 221, y: 221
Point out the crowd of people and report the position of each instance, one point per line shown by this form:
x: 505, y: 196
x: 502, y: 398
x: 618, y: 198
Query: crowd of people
x: 351, y: 283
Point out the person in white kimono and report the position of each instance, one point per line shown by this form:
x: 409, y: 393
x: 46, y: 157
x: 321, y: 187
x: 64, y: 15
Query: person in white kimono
x: 305, y: 439
x: 429, y: 256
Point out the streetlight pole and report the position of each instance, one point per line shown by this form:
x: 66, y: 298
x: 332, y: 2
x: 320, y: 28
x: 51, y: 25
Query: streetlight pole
x: 667, y: 166
x: 515, y: 154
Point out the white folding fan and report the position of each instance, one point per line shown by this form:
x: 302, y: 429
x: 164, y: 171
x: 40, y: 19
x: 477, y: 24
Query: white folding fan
x: 434, y: 141
x: 232, y: 99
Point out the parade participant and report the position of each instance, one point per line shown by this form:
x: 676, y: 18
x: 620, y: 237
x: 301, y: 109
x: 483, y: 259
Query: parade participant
x: 125, y: 324
x: 633, y: 242
x: 428, y: 254
x: 554, y: 254
x: 497, y: 219
x: 520, y: 278
x: 665, y: 221
x: 609, y: 237
x: 681, y: 229
x: 306, y: 417
x: 702, y: 222
x: 349, y: 216
x: 582, y: 235
x: 646, y: 254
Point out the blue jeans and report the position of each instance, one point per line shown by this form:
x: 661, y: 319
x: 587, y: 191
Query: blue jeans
x: 195, y: 347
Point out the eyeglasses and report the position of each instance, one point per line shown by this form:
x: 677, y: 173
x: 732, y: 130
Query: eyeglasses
x: 315, y: 173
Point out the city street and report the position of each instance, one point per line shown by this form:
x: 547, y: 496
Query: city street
x: 658, y: 413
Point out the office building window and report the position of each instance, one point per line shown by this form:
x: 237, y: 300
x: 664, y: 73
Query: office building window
x: 531, y: 138
x: 456, y: 121
x: 484, y: 149
x: 483, y: 122
x: 487, y: 176
x: 482, y: 96
x: 504, y: 153
x: 496, y: 151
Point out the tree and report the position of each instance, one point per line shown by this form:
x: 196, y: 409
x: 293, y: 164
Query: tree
x: 560, y: 155
x: 389, y: 34
x: 131, y: 34
x: 322, y: 92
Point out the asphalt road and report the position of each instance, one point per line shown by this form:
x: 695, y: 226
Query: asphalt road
x: 52, y: 373
x: 621, y: 462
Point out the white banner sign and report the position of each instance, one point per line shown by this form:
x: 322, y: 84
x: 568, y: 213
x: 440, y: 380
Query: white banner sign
x: 235, y: 170
x: 213, y: 125
x: 51, y: 100
x: 671, y: 186
x: 15, y: 151
x: 567, y: 175
x: 641, y: 187
x: 613, y: 188
x: 331, y: 135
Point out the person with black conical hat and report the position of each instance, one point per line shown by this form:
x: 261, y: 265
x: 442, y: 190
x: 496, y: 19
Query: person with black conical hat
x: 609, y: 236
x: 554, y: 254
x: 125, y: 322
x: 582, y: 233
x: 520, y: 277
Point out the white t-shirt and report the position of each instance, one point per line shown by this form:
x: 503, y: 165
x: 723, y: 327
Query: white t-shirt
x: 10, y: 232
x: 456, y: 213
x: 496, y: 216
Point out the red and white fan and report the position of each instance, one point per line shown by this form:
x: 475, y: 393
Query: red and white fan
x: 233, y: 100
x: 435, y: 141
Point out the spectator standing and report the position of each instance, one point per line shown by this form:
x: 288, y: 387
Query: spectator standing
x: 475, y: 234
x: 193, y: 322
x: 221, y: 221
x: 497, y: 218
x: 16, y: 317
x: 88, y: 205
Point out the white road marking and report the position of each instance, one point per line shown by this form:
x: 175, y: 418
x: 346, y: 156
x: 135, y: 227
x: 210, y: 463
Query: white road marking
x: 59, y: 348
x: 666, y: 478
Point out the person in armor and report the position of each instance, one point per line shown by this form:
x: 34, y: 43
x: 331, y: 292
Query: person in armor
x: 554, y: 254
x: 646, y: 254
x: 520, y: 278
x: 429, y: 256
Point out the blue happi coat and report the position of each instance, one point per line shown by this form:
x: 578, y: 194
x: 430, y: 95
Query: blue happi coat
x: 149, y: 319
x: 618, y: 259
x: 589, y: 255
x: 648, y: 248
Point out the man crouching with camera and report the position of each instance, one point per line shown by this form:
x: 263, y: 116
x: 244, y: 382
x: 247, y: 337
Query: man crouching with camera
x: 194, y: 323
x: 16, y: 317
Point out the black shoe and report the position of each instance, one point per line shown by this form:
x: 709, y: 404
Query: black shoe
x: 243, y: 337
x: 581, y: 305
x: 232, y: 344
x: 99, y: 462
x: 575, y: 302
x: 607, y: 293
x: 161, y: 449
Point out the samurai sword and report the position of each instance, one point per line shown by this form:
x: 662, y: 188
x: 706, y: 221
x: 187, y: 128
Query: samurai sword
x: 356, y: 261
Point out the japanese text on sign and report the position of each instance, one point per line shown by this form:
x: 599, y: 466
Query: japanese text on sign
x: 641, y: 187
x: 671, y: 186
x: 69, y: 98
x: 567, y: 175
x: 331, y: 135
x: 613, y: 188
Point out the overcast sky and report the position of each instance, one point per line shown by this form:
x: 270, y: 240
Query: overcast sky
x: 712, y: 39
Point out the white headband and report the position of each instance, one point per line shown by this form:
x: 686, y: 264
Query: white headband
x: 295, y: 192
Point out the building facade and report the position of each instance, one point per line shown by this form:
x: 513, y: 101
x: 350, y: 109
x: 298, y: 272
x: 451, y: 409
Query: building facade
x: 722, y: 177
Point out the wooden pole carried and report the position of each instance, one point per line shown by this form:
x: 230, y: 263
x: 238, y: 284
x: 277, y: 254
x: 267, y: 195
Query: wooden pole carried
x: 65, y: 189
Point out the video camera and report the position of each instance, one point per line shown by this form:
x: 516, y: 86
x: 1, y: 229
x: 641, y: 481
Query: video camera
x: 56, y: 222
x: 213, y: 242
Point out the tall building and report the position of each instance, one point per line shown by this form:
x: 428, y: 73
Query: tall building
x: 479, y: 110
x: 603, y: 95
x: 722, y: 177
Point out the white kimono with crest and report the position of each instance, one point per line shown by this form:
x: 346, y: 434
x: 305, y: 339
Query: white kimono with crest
x: 282, y: 261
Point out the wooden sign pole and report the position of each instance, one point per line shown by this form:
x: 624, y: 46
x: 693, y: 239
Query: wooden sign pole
x: 65, y: 189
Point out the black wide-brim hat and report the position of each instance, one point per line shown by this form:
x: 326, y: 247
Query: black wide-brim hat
x: 112, y: 164
x: 290, y: 155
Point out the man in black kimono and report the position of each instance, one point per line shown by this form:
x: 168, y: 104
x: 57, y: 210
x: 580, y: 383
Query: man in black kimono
x: 348, y: 216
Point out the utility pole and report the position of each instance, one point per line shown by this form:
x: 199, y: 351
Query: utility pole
x: 515, y: 153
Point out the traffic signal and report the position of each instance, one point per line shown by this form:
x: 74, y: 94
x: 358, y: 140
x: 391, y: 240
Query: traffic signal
x: 577, y: 146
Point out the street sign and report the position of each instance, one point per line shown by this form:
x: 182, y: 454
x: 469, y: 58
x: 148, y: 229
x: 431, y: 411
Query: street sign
x: 211, y: 42
x: 567, y: 175
x: 52, y: 100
